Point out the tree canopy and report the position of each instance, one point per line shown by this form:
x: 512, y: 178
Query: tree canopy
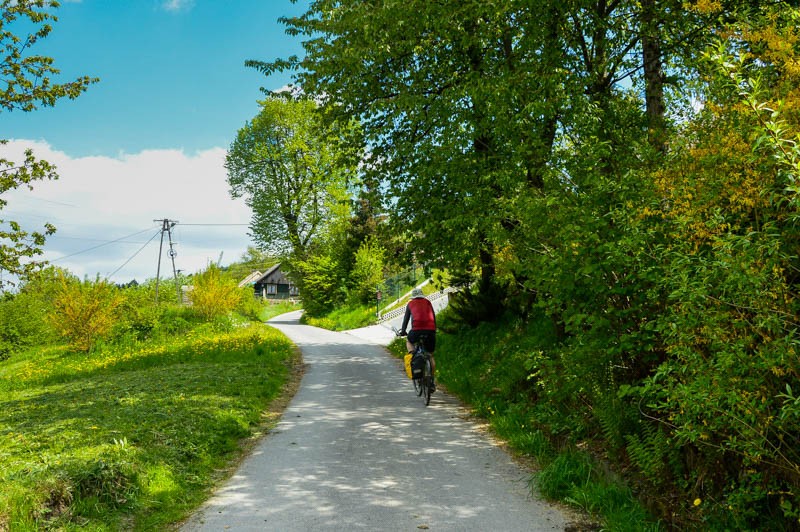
x: 27, y: 86
x: 627, y: 169
x: 288, y: 169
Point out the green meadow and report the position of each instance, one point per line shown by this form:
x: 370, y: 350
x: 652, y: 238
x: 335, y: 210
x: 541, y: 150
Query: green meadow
x: 132, y: 436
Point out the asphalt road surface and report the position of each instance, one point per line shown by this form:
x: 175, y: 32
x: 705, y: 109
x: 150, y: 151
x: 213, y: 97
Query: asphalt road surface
x: 356, y: 449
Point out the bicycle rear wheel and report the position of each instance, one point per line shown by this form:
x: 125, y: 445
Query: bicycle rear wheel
x: 420, y: 351
x: 427, y: 382
x: 418, y: 385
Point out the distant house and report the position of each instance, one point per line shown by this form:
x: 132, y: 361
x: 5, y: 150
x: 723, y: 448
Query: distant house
x: 274, y: 285
x: 250, y: 279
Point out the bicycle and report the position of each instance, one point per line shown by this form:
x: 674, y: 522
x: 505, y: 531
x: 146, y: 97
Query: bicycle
x: 421, y: 370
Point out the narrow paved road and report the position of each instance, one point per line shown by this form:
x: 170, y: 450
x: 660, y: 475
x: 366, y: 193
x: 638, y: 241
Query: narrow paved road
x: 357, y: 450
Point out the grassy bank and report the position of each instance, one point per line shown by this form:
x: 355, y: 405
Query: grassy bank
x: 131, y: 437
x: 356, y: 315
x: 343, y: 319
x: 489, y: 368
x: 269, y: 310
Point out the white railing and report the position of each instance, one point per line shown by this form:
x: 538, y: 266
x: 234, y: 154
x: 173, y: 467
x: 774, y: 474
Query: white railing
x: 396, y: 313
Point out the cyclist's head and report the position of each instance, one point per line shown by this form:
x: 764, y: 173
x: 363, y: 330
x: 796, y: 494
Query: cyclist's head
x: 417, y: 292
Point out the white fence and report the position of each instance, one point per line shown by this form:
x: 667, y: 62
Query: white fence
x: 439, y: 300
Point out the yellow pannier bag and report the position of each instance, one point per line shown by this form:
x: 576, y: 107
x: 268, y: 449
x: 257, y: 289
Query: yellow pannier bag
x: 407, y: 361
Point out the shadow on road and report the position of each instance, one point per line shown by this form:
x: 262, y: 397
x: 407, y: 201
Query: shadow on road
x: 358, y: 449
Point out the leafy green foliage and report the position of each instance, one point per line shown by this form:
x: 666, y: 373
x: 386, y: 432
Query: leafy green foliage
x: 287, y: 167
x: 652, y: 238
x: 18, y: 247
x: 23, y: 320
x: 27, y: 85
x: 27, y: 77
x: 140, y: 317
x: 294, y: 172
x: 84, y: 312
x: 212, y: 295
x: 367, y: 273
x: 431, y: 129
x: 321, y: 285
x: 648, y: 449
x: 343, y: 318
x: 488, y: 366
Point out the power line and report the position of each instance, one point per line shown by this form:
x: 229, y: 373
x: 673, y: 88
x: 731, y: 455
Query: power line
x: 132, y: 256
x: 61, y: 237
x: 53, y: 202
x: 100, y: 245
x: 107, y: 242
x: 17, y: 214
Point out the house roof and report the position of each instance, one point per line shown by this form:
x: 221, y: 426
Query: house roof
x: 267, y: 273
x: 250, y: 279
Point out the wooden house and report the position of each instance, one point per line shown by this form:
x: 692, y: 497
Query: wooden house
x: 250, y: 279
x: 273, y: 284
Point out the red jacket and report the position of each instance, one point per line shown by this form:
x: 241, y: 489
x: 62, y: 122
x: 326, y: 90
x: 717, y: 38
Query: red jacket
x: 421, y: 313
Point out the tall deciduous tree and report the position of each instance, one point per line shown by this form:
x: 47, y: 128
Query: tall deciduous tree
x: 291, y: 174
x: 664, y: 252
x: 27, y: 85
x: 438, y: 88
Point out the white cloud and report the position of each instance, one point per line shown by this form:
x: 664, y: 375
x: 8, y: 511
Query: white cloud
x: 101, y: 199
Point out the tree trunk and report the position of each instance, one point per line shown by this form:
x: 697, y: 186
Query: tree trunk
x: 653, y: 76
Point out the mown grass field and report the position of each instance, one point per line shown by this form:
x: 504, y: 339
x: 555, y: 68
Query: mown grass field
x: 132, y: 437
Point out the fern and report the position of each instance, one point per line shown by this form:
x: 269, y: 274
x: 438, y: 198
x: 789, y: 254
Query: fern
x: 650, y: 452
x: 614, y: 418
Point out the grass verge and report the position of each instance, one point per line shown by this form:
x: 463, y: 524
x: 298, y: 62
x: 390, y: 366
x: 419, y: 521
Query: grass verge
x: 344, y: 318
x: 132, y: 439
x: 271, y: 309
x: 486, y: 368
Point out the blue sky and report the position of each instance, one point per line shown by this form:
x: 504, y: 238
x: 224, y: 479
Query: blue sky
x: 148, y: 141
x: 171, y: 73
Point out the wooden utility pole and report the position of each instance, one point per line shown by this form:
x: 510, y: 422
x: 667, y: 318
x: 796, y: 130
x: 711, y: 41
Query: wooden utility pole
x: 166, y: 227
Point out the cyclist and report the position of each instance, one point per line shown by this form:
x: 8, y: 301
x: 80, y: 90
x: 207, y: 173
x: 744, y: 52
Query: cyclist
x: 423, y: 324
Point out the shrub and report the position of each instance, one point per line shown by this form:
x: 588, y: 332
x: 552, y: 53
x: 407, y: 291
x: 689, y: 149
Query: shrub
x: 23, y: 315
x: 367, y: 272
x: 84, y: 312
x: 249, y: 306
x: 320, y: 285
x: 212, y: 296
x: 138, y: 318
